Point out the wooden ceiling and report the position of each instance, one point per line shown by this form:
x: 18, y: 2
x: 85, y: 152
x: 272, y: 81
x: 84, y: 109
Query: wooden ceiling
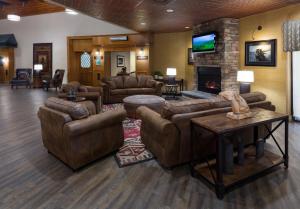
x: 131, y: 13
x: 27, y: 7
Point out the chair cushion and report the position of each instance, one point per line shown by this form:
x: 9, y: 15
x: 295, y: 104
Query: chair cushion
x: 75, y: 110
x: 118, y: 80
x: 23, y: 75
x: 193, y: 105
x: 130, y: 82
x: 119, y: 92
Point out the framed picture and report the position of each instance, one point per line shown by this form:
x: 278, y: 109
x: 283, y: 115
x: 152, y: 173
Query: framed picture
x: 260, y: 53
x: 98, y: 60
x: 190, y: 56
x: 42, y: 54
x: 120, y: 61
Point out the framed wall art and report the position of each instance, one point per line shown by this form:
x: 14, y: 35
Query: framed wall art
x: 260, y: 53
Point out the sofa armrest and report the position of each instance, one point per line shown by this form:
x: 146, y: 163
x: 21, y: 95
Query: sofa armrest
x: 94, y: 89
x: 154, y: 120
x: 93, y: 122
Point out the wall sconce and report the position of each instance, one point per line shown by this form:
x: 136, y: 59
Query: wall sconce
x: 142, y: 52
x: 259, y: 28
x: 5, y: 60
x: 98, y: 52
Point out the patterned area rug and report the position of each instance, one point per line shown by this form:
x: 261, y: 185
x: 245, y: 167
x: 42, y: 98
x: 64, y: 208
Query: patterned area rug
x: 133, y: 151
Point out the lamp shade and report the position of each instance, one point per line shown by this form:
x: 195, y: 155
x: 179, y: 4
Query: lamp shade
x: 245, y: 76
x: 38, y: 67
x: 171, y: 71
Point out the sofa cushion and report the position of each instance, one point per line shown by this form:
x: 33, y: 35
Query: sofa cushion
x: 119, y: 92
x: 75, y: 110
x: 254, y: 97
x: 133, y: 91
x: 193, y: 105
x: 143, y: 79
x: 130, y: 82
x: 83, y: 89
x: 118, y: 80
x: 151, y: 83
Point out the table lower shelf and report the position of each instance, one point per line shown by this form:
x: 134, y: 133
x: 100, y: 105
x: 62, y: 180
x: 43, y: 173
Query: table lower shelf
x: 251, y: 167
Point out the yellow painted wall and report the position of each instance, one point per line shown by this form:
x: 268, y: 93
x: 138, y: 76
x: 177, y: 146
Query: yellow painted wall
x: 273, y: 81
x: 170, y: 50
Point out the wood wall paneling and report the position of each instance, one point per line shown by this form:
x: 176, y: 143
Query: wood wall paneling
x: 92, y: 44
x: 7, y: 71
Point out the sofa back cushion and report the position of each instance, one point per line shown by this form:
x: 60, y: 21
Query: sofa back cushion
x: 143, y: 81
x: 71, y: 85
x: 130, y: 82
x: 254, y: 97
x: 118, y: 82
x: 75, y: 110
x: 193, y: 105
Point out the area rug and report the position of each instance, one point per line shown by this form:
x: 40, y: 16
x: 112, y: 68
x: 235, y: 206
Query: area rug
x: 133, y: 150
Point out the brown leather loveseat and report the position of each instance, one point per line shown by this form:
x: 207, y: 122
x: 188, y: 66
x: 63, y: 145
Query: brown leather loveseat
x: 75, y: 134
x: 89, y: 92
x: 116, y: 88
x: 168, y: 136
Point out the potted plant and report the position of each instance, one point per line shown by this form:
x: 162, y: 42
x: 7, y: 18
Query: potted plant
x: 158, y: 75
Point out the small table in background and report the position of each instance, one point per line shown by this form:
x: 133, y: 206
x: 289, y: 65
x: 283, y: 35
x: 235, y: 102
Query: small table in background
x: 171, y: 91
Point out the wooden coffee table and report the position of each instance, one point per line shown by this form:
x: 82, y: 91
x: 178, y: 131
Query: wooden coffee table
x: 220, y: 126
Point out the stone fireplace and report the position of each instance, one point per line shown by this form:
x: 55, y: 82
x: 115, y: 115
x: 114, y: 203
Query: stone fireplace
x: 226, y: 57
x: 209, y: 79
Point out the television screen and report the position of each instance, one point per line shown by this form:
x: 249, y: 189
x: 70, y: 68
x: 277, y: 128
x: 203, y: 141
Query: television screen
x: 204, y: 43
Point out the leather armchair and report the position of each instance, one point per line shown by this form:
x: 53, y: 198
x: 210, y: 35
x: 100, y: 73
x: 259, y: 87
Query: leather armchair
x: 89, y: 92
x: 76, y: 135
x: 55, y: 82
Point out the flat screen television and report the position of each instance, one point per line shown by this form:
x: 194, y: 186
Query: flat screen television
x: 204, y: 43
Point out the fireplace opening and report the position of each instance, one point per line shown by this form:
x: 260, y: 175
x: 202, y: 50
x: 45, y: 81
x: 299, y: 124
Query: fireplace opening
x: 209, y: 79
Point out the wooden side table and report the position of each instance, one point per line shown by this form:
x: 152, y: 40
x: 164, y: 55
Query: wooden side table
x: 36, y: 81
x: 253, y: 168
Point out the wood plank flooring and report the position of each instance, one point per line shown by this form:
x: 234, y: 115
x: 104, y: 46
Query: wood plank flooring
x: 31, y: 178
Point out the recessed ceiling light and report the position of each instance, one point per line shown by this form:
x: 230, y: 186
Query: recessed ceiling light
x: 187, y: 27
x: 143, y: 23
x: 71, y: 12
x: 170, y: 10
x: 12, y: 17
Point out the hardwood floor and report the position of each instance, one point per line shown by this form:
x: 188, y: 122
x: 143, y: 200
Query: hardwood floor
x: 31, y: 178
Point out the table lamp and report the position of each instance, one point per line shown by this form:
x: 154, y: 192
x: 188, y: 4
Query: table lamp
x: 171, y: 73
x: 245, y: 77
x: 38, y: 68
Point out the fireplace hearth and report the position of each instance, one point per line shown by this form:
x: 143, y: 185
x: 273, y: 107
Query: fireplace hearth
x: 209, y: 79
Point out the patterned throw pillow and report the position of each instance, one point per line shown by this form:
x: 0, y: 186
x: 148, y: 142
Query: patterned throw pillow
x: 23, y: 76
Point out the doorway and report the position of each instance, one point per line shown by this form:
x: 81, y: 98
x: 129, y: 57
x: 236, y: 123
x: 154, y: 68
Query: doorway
x: 296, y: 85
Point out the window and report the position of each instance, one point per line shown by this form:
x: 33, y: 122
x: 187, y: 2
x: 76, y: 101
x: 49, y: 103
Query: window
x: 85, y: 60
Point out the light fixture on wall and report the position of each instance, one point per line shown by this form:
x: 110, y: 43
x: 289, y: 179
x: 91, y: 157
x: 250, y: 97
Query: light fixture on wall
x: 245, y: 77
x: 5, y: 60
x: 12, y: 17
x: 142, y: 52
x: 259, y: 28
x: 71, y: 12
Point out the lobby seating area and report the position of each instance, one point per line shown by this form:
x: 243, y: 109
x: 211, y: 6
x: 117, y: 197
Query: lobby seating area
x: 149, y: 104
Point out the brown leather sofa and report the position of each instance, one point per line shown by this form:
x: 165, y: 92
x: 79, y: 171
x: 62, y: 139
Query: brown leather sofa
x: 89, y: 92
x: 168, y: 135
x: 116, y: 88
x: 75, y: 134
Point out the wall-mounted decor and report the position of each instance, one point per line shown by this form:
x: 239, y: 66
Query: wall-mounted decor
x: 42, y: 54
x: 85, y: 60
x: 142, y: 57
x: 190, y: 56
x: 260, y: 53
x: 98, y: 60
x: 120, y: 61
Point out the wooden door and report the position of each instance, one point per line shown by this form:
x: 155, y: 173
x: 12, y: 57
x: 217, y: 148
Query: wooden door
x: 85, y: 73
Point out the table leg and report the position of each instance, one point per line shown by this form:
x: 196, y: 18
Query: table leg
x: 286, y: 143
x: 219, y: 168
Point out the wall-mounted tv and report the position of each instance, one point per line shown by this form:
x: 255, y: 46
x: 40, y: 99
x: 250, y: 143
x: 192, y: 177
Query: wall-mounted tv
x: 204, y: 43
